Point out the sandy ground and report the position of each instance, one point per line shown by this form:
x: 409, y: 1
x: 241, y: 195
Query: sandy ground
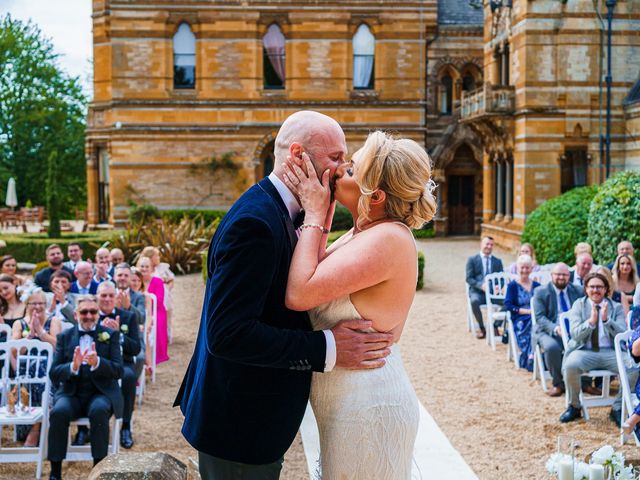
x: 495, y: 415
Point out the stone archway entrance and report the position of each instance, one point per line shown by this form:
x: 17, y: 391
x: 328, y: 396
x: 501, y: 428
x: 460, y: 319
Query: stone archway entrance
x: 265, y: 162
x: 464, y: 192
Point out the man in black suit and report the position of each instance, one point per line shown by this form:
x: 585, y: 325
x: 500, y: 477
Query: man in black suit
x: 124, y: 322
x: 55, y: 257
x: 86, y: 367
x: 548, y: 302
x: 247, y: 385
x: 478, y: 267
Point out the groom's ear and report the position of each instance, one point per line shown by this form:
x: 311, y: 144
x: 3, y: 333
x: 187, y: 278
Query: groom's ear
x: 295, y: 150
x: 378, y: 197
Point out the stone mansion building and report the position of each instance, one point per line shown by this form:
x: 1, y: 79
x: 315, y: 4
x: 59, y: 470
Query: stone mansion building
x: 507, y: 96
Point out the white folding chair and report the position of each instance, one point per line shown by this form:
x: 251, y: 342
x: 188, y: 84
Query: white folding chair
x: 603, y: 400
x: 541, y: 276
x: 471, y: 321
x: 495, y: 288
x: 539, y: 368
x: 512, y: 347
x: 82, y: 453
x: 153, y: 335
x: 33, y: 361
x: 624, y: 360
x: 6, y: 329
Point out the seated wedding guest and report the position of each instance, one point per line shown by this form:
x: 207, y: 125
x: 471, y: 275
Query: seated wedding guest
x: 102, y: 272
x: 518, y: 302
x: 625, y: 279
x: 9, y: 266
x: 11, y: 308
x: 595, y: 321
x: 582, y: 247
x: 525, y: 249
x: 136, y: 283
x: 74, y: 252
x: 478, y: 267
x: 116, y: 256
x: 153, y: 285
x: 39, y: 326
x: 549, y: 301
x: 584, y: 264
x: 125, y: 322
x: 625, y: 247
x: 85, y: 284
x: 134, y: 302
x: 55, y: 259
x: 61, y: 302
x: 632, y: 424
x: 162, y: 270
x: 87, y: 365
x: 103, y: 256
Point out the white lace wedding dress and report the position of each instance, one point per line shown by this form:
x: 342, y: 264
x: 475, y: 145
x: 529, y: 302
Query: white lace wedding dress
x: 367, y: 419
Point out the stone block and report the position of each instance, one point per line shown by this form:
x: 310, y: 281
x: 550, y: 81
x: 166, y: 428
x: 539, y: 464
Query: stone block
x: 140, y: 466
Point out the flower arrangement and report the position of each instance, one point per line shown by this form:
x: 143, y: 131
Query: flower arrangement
x: 606, y: 456
x: 124, y: 328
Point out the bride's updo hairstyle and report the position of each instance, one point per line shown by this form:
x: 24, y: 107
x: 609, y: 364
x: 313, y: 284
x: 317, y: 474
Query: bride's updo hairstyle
x: 402, y: 169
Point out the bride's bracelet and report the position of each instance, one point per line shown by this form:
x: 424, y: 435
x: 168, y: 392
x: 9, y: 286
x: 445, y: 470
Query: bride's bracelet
x: 314, y: 225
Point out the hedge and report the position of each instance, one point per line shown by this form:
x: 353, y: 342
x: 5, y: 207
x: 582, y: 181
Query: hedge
x: 615, y: 215
x: 556, y: 226
x: 174, y: 216
x: 31, y: 247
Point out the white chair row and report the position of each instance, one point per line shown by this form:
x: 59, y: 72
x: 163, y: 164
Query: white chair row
x: 32, y: 361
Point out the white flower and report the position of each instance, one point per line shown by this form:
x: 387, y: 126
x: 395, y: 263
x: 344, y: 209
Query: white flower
x: 580, y: 471
x: 554, y: 461
x: 626, y: 473
x: 603, y: 455
x: 617, y: 461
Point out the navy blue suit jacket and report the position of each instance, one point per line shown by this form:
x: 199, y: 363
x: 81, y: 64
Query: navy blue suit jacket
x: 93, y: 287
x: 247, y: 385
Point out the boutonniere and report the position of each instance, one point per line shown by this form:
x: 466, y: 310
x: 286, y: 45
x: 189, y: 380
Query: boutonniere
x: 104, y: 337
x: 25, y: 332
x: 124, y: 328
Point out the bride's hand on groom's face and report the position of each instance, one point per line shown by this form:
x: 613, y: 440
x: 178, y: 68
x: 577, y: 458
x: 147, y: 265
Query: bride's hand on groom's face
x: 356, y: 349
x: 314, y: 195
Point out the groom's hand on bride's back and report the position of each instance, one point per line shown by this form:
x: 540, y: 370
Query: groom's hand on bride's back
x: 356, y: 349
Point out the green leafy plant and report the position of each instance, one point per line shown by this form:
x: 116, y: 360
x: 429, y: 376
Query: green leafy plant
x: 180, y: 244
x: 342, y: 219
x: 207, y: 216
x: 144, y: 213
x: 558, y: 224
x: 53, y: 200
x: 214, y: 164
x: 615, y: 215
x: 420, y: 283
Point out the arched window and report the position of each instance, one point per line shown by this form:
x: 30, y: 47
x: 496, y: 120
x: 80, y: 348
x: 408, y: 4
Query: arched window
x: 273, y: 62
x: 468, y: 83
x: 364, y: 49
x: 184, y: 58
x: 446, y: 95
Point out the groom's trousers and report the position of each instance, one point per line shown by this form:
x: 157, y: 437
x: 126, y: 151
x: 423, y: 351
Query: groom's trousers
x: 213, y: 468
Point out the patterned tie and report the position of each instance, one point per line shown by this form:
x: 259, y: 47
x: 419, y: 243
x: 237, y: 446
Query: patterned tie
x: 563, y: 302
x: 595, y: 343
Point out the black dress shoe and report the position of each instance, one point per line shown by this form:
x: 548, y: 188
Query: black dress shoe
x: 126, y: 440
x: 82, y: 437
x: 570, y: 414
x: 615, y: 416
x: 54, y: 477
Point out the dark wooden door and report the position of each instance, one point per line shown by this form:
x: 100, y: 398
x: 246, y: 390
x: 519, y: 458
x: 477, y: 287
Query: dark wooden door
x: 460, y: 202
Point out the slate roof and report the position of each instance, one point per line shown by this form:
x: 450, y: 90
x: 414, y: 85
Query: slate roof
x: 460, y: 12
x: 634, y: 94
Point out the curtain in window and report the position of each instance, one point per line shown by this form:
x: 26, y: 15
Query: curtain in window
x: 274, y: 43
x: 364, y: 47
x: 184, y: 57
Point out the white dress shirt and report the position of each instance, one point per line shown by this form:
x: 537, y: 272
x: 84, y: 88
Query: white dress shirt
x: 85, y: 346
x: 293, y: 207
x: 603, y: 337
x: 484, y: 263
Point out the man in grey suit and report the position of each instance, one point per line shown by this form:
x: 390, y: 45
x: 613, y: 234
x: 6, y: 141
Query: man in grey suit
x: 548, y: 302
x: 478, y: 267
x: 595, y: 320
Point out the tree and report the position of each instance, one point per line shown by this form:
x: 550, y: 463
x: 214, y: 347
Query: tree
x: 42, y: 110
x: 53, y: 199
